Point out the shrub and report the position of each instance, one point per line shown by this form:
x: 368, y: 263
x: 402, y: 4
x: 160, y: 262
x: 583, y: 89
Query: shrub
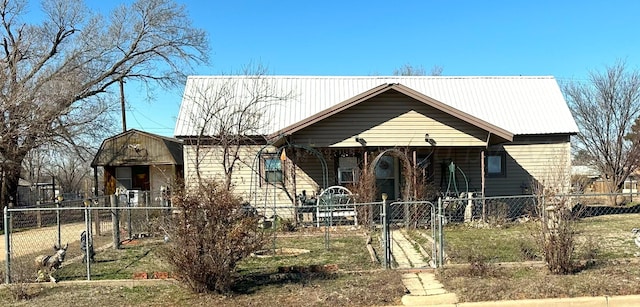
x: 557, y: 236
x: 209, y: 234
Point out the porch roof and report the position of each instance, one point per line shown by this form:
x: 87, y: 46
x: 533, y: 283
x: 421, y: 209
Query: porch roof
x: 504, y: 106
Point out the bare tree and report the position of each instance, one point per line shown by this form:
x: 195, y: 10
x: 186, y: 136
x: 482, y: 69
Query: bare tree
x: 605, y: 109
x: 229, y: 116
x: 72, y: 172
x: 56, y: 75
x: 410, y: 70
x: 214, y: 229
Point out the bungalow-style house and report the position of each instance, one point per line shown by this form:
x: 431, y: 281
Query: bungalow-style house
x: 489, y: 135
x: 137, y: 162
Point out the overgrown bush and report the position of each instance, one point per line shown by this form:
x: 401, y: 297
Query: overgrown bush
x: 210, y: 233
x: 556, y: 235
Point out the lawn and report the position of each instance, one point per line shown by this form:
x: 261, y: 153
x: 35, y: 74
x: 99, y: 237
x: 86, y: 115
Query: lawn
x: 483, y: 264
x: 490, y: 263
x: 276, y: 280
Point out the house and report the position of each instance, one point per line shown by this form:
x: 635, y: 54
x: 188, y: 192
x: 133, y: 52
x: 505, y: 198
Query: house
x: 488, y: 135
x: 137, y: 162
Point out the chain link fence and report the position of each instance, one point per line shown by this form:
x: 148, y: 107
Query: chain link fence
x: 79, y: 225
x: 510, y: 229
x: 452, y: 230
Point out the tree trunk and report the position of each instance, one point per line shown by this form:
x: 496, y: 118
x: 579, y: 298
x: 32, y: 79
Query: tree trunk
x: 11, y: 177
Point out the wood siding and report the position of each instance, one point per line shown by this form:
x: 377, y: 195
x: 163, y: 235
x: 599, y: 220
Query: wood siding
x: 389, y: 120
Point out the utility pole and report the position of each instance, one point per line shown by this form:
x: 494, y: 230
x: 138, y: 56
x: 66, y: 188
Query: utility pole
x: 122, y: 106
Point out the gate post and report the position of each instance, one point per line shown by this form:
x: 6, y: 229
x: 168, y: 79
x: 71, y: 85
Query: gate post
x: 440, y: 233
x: 88, y: 236
x: 385, y: 233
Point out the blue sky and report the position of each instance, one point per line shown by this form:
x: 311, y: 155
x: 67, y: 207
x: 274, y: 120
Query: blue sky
x: 565, y: 39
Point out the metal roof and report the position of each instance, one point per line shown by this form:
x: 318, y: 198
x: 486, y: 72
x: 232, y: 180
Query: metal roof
x: 520, y: 105
x: 117, y: 150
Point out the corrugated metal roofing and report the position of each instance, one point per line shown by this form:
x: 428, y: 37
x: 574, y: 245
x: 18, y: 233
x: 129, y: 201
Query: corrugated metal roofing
x: 520, y: 105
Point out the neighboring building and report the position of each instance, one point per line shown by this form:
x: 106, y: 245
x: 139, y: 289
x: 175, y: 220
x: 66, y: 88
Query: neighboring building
x: 30, y: 194
x: 502, y: 133
x: 137, y: 161
x: 587, y: 179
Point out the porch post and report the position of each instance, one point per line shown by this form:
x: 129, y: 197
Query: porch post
x: 95, y: 181
x: 484, y: 210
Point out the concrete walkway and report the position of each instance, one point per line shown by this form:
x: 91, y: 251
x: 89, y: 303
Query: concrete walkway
x: 423, y: 289
x: 420, y: 281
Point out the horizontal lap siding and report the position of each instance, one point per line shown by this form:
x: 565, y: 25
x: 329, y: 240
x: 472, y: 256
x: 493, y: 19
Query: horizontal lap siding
x: 310, y: 175
x: 211, y: 167
x: 545, y: 162
x: 391, y: 119
x: 248, y: 185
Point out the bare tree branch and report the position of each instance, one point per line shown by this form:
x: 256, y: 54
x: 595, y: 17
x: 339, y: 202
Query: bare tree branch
x: 56, y: 75
x: 230, y: 116
x: 605, y: 109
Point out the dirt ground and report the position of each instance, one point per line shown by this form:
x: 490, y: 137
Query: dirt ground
x: 34, y: 240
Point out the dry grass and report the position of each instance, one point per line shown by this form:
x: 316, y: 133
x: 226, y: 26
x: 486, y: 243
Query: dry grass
x: 376, y: 288
x: 605, y: 251
x: 358, y: 282
x: 535, y: 282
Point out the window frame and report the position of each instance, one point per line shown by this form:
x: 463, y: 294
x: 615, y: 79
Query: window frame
x: 266, y: 159
x: 503, y: 164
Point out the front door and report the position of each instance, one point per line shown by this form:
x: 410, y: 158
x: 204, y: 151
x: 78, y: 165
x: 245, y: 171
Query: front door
x: 387, y: 177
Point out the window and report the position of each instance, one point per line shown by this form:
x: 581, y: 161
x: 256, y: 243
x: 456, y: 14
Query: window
x: 348, y: 170
x: 495, y: 164
x: 124, y: 178
x: 272, y: 169
x: 347, y: 175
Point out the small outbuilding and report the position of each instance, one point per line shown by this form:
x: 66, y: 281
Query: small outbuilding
x: 138, y: 162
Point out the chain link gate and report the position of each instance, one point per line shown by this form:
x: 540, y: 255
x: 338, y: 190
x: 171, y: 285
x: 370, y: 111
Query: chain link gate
x: 412, y: 215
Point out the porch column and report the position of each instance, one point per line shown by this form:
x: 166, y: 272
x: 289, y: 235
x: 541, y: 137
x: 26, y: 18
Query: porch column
x: 482, y: 180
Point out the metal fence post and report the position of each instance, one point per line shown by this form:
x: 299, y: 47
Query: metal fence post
x: 129, y: 229
x: 440, y: 233
x: 326, y: 200
x: 433, y: 235
x: 385, y: 233
x: 88, y: 243
x: 7, y: 246
x: 115, y: 221
x: 147, y: 203
x: 58, y: 201
x: 96, y: 218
